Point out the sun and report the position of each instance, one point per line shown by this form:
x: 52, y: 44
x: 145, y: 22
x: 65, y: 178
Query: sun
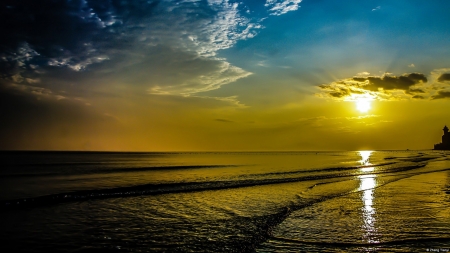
x: 363, y: 104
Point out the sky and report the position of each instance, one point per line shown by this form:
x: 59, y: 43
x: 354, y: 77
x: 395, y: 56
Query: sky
x: 219, y: 75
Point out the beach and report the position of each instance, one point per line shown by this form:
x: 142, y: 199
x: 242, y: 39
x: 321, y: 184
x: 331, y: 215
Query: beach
x: 352, y: 201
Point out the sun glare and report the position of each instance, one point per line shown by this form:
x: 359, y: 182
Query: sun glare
x: 363, y: 104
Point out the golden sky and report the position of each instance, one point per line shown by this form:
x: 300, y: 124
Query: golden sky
x: 224, y: 75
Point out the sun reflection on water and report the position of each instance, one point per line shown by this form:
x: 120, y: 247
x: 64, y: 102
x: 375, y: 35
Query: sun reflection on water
x: 365, y: 160
x: 367, y: 185
x: 365, y: 157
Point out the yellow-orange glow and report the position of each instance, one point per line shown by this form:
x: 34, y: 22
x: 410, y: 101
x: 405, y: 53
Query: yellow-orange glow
x: 363, y: 104
x: 365, y: 156
x: 365, y: 160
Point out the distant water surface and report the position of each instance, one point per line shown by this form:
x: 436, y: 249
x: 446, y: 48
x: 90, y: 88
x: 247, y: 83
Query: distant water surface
x: 361, y: 201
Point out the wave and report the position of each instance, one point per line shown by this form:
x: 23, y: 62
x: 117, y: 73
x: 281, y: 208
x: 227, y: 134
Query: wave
x: 156, y: 189
x: 333, y: 169
x: 372, y: 244
x: 116, y: 170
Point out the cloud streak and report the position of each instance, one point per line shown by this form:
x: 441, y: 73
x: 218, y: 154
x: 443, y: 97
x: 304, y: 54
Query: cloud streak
x: 280, y: 7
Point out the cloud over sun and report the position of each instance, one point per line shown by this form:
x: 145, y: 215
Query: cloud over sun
x: 389, y: 87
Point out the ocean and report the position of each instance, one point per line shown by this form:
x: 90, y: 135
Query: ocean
x: 355, y: 201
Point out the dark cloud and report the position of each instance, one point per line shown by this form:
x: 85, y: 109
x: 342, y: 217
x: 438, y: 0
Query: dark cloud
x: 57, y: 33
x: 42, y: 37
x: 224, y: 120
x: 340, y: 93
x: 381, y: 87
x: 337, y: 91
x: 73, y: 32
x: 444, y: 77
x: 441, y: 94
x: 416, y: 91
x: 359, y: 79
x: 417, y: 77
x: 387, y: 82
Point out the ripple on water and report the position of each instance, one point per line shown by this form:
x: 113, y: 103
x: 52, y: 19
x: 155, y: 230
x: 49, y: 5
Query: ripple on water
x: 408, y: 215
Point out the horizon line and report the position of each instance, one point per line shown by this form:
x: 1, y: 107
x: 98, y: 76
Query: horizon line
x: 209, y: 151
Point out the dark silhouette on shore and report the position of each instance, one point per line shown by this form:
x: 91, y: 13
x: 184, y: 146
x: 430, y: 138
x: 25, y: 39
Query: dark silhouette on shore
x: 445, y: 145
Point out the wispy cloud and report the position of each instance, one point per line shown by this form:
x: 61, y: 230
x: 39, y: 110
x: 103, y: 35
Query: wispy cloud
x: 280, y: 7
x: 176, y: 37
x: 224, y: 120
x: 341, y: 124
x: 230, y: 100
x: 363, y: 117
x: 39, y: 92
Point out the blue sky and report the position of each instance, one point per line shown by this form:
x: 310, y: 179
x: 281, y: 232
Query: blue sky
x: 377, y: 34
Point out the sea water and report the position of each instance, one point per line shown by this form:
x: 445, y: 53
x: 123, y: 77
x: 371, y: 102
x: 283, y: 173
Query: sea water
x: 359, y: 201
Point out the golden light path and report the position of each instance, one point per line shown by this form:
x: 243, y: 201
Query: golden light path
x: 367, y: 184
